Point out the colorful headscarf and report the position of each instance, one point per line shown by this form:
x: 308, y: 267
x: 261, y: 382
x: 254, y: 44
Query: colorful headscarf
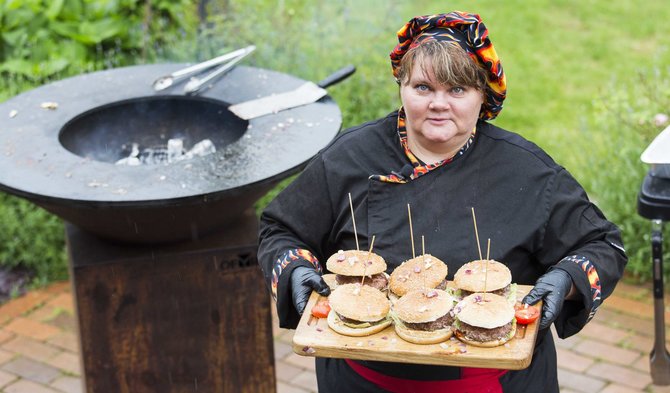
x: 469, y: 32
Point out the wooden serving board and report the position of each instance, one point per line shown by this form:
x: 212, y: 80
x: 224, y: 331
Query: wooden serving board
x: 313, y: 337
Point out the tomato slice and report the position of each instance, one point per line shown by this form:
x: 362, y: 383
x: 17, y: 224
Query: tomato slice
x: 526, y: 314
x: 321, y: 309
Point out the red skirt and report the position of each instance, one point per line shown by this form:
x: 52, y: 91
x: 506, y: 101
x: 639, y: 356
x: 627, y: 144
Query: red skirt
x: 473, y: 380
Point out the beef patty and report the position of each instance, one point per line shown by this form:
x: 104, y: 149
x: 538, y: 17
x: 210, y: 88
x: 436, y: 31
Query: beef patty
x: 378, y: 281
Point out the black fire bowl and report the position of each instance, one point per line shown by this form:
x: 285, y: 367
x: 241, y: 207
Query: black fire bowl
x: 59, y: 144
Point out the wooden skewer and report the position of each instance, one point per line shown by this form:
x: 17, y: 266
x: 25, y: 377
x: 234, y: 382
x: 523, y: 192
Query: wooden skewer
x: 486, y: 267
x: 474, y: 220
x: 423, y: 248
x: 411, y: 231
x: 367, y: 258
x: 488, y: 248
x: 353, y: 220
x: 423, y: 260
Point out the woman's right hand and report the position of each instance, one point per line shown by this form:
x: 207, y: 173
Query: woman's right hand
x: 553, y: 288
x: 304, y: 280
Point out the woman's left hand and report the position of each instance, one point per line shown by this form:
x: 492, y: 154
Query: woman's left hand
x: 553, y: 288
x: 304, y: 280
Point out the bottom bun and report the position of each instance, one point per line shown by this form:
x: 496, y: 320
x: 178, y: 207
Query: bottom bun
x: 487, y: 344
x: 423, y: 336
x: 335, y: 323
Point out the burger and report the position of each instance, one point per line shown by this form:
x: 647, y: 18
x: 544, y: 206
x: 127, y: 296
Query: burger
x: 424, y: 316
x: 484, y: 320
x: 351, y: 265
x: 358, y: 310
x: 485, y: 276
x: 422, y: 272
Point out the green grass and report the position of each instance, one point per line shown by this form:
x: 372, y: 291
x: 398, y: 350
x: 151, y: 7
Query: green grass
x: 558, y: 56
x: 585, y: 78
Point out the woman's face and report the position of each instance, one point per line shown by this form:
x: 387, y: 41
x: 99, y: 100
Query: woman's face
x: 438, y: 117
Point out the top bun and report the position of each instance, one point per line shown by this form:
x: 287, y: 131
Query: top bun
x: 424, y: 271
x: 360, y: 302
x: 485, y: 310
x: 471, y: 276
x: 421, y: 306
x: 355, y: 263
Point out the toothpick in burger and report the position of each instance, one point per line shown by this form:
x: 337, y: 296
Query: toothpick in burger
x: 424, y: 316
x: 358, y: 310
x: 349, y: 267
x: 484, y: 320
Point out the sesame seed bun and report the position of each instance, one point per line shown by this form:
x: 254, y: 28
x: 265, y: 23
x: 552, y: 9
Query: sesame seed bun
x: 485, y: 310
x: 355, y: 263
x: 420, y: 316
x: 423, y: 337
x: 335, y: 323
x: 485, y: 320
x: 365, y: 307
x: 418, y: 307
x: 485, y: 344
x: 471, y: 276
x: 425, y: 271
x: 361, y: 303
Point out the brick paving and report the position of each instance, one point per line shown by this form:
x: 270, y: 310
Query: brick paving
x: 39, y: 348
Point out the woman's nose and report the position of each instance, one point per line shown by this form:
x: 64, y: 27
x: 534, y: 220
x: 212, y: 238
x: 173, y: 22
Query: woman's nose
x: 439, y: 101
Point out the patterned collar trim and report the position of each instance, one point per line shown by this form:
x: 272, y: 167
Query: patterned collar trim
x: 416, y: 168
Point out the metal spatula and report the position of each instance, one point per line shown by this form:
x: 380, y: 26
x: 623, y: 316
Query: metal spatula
x: 305, y: 94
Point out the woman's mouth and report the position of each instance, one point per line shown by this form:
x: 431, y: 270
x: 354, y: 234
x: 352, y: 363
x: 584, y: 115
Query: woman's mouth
x: 437, y: 120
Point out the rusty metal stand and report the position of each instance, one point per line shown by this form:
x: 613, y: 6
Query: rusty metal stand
x: 190, y: 317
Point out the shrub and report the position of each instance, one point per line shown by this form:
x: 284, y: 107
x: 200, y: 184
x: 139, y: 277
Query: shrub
x: 32, y: 238
x: 41, y: 41
x: 623, y: 125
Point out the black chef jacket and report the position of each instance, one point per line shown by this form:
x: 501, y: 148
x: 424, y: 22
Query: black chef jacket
x: 532, y: 209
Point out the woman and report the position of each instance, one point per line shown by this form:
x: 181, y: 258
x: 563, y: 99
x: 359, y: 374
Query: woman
x: 438, y: 154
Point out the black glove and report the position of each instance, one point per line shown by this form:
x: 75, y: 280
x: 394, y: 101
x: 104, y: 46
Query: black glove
x: 304, y: 280
x: 552, y: 288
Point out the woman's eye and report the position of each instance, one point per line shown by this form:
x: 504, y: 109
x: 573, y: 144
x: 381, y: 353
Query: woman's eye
x: 457, y: 90
x: 422, y: 87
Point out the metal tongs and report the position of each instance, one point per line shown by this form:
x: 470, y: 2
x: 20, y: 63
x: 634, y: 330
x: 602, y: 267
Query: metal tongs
x: 194, y: 85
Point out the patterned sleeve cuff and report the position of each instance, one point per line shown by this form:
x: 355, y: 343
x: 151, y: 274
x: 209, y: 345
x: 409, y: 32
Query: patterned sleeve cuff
x: 286, y: 259
x: 592, y: 276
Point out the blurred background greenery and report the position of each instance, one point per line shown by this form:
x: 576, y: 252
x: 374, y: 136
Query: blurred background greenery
x: 588, y: 81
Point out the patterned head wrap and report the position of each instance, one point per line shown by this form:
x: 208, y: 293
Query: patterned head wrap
x: 467, y: 31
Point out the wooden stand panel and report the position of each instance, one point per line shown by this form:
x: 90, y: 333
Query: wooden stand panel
x: 189, y: 320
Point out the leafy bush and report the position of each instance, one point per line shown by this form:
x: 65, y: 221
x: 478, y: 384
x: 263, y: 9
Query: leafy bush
x: 43, y: 38
x: 32, y: 238
x: 41, y: 41
x: 623, y: 125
